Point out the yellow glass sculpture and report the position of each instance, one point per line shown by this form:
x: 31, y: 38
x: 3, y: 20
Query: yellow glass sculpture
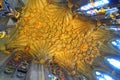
x: 0, y: 4
x: 46, y: 30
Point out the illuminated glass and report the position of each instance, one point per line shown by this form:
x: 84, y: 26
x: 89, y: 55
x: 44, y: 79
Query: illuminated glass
x: 114, y: 62
x: 95, y: 4
x: 51, y: 76
x: 91, y: 12
x: 116, y: 43
x: 114, y: 28
x: 103, y: 76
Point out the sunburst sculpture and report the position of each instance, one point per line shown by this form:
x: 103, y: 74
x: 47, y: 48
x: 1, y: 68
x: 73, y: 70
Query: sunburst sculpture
x: 49, y: 30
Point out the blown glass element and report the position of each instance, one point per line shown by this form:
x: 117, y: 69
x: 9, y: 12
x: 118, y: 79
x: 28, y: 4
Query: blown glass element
x: 52, y: 31
x: 99, y: 3
x: 103, y: 76
x: 116, y: 43
x: 114, y: 62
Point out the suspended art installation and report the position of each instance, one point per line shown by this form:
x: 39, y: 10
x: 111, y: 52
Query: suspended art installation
x: 48, y: 29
